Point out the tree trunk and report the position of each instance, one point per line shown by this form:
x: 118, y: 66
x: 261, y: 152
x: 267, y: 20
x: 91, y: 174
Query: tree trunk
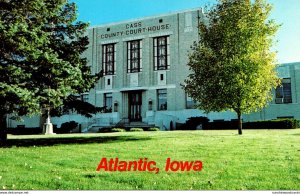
x: 3, y: 128
x: 43, y: 118
x: 239, y: 123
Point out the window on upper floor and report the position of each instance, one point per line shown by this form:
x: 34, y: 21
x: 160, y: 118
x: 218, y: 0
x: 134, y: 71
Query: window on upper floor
x: 284, y: 92
x: 108, y: 59
x: 161, y: 53
x: 134, y: 56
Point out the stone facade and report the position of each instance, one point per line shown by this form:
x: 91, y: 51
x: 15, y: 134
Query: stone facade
x: 180, y: 32
x: 144, y: 65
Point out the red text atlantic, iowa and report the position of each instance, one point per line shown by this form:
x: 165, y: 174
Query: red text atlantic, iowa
x: 175, y: 166
x: 143, y: 164
x: 114, y: 164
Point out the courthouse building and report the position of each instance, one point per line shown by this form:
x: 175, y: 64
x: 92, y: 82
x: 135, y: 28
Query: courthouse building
x: 144, y: 62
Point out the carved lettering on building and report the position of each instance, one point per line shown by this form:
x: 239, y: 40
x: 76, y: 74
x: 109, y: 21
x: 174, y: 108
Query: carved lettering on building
x: 134, y: 29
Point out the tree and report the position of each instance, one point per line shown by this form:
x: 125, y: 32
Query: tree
x: 232, y: 66
x: 40, y: 56
x: 77, y: 105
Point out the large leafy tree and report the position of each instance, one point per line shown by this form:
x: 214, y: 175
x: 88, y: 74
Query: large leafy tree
x: 40, y: 56
x: 232, y: 66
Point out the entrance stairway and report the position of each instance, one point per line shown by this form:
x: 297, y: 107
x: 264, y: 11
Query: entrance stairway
x: 138, y: 125
x: 125, y: 123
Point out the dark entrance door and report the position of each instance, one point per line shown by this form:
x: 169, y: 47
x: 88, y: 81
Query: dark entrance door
x: 135, y: 106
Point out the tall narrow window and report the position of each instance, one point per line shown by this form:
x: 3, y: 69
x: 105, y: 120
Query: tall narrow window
x: 162, y: 99
x: 284, y: 92
x: 108, y: 102
x: 161, y: 53
x: 134, y: 56
x: 108, y: 59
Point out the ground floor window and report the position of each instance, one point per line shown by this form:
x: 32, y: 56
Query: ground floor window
x: 190, y: 102
x: 162, y: 99
x: 284, y: 92
x: 108, y: 102
x: 85, y: 97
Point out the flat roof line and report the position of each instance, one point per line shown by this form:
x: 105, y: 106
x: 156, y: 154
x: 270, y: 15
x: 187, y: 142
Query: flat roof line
x: 147, y: 17
x: 289, y: 63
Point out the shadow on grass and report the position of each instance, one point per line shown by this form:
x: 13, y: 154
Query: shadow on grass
x: 67, y: 140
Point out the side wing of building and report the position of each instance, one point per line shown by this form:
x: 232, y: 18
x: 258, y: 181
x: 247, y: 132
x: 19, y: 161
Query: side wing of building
x: 286, y: 101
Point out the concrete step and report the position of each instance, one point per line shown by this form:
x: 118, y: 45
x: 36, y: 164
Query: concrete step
x: 138, y: 125
x: 95, y: 128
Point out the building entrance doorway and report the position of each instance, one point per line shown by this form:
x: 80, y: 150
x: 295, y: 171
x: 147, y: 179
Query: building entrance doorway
x: 135, y: 106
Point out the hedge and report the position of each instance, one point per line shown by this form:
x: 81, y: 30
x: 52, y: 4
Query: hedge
x: 270, y: 124
x: 66, y: 127
x: 284, y: 123
x: 273, y: 124
x: 136, y: 129
x: 24, y: 131
x: 152, y: 129
x: 192, y: 123
x: 118, y: 130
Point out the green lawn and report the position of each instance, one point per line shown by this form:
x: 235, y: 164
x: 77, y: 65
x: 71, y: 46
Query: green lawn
x: 257, y: 160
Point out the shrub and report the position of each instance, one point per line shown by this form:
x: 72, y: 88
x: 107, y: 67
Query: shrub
x: 67, y: 127
x: 221, y: 125
x: 193, y: 122
x: 118, y: 130
x: 136, y: 129
x: 153, y: 129
x: 104, y: 130
x: 25, y: 131
x: 3, y: 135
x: 271, y: 124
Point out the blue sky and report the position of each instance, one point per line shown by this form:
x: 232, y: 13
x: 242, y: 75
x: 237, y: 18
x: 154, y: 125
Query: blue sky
x: 285, y: 12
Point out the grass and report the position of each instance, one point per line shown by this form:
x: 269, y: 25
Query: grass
x: 257, y: 160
